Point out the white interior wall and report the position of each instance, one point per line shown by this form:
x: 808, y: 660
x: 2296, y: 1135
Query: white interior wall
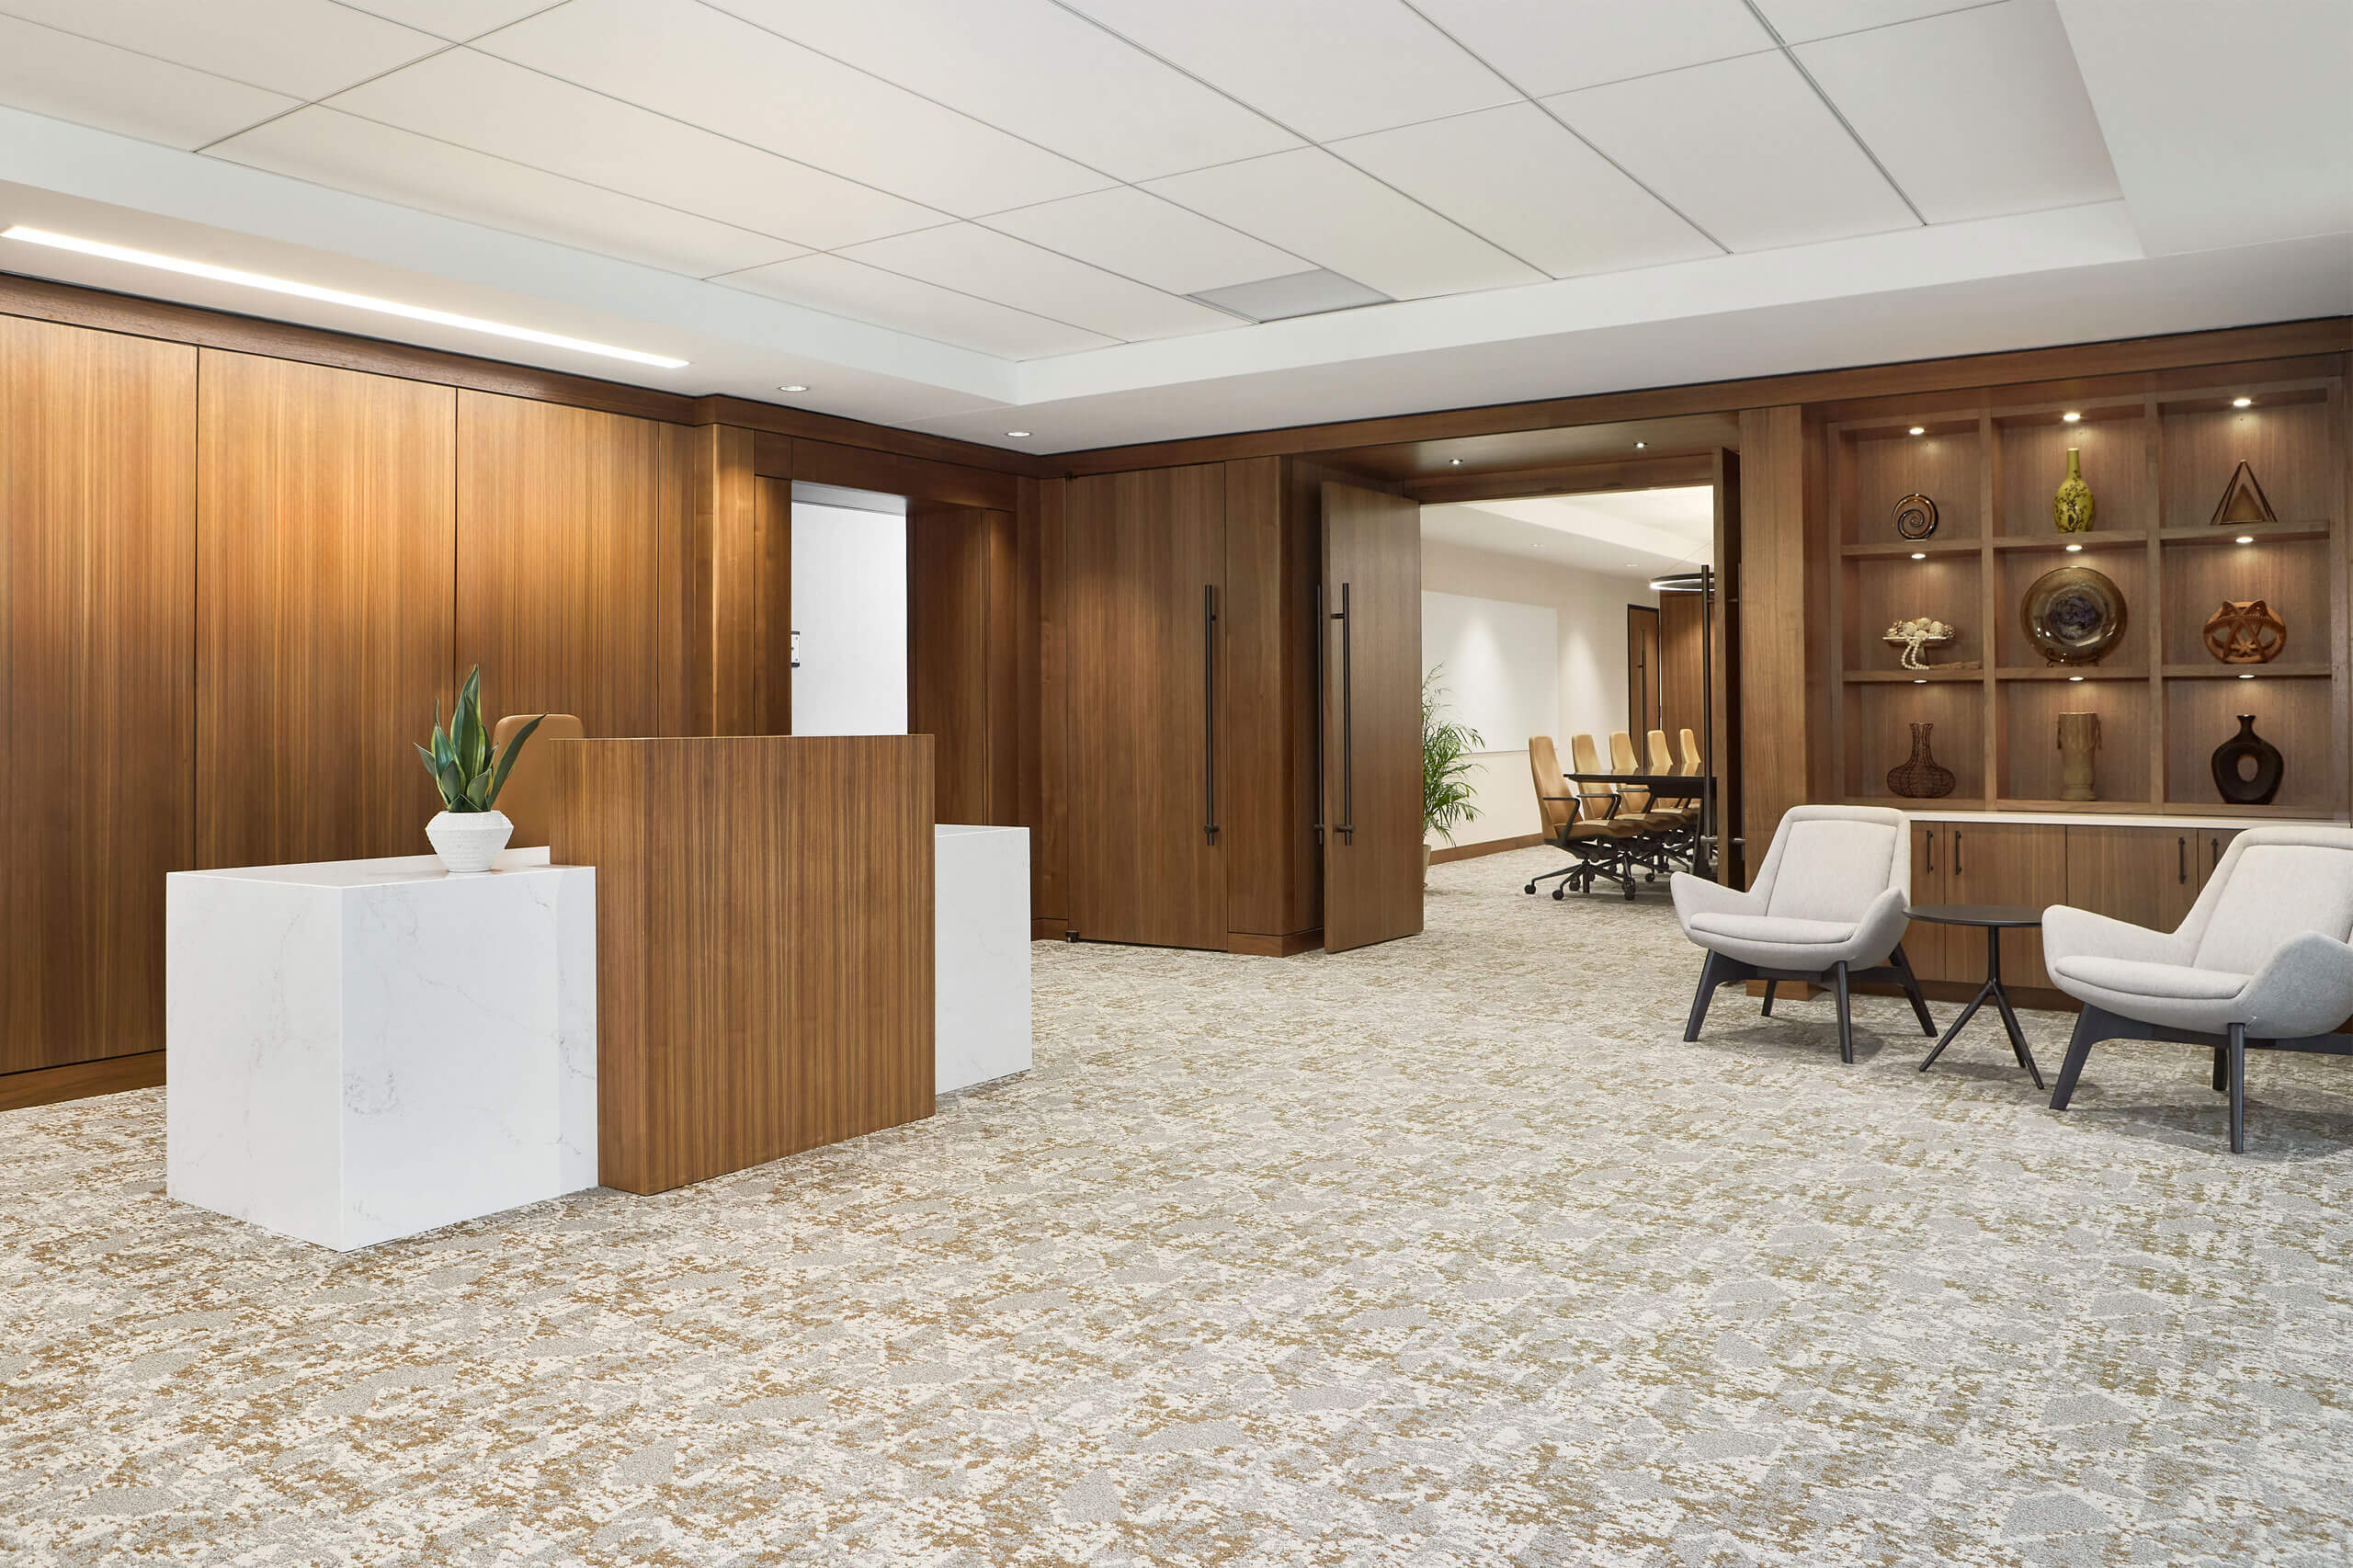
x: 849, y: 605
x: 1589, y: 611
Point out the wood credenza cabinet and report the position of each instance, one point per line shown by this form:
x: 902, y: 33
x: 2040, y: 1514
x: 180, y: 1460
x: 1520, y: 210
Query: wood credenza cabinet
x: 2148, y: 875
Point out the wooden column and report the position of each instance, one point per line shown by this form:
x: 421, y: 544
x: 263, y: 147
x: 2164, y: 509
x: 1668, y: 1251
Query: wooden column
x: 723, y: 625
x: 1774, y: 621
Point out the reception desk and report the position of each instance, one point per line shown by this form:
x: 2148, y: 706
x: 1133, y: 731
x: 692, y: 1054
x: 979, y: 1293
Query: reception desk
x: 765, y: 941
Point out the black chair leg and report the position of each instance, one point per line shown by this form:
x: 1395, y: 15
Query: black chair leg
x: 1710, y: 976
x: 1912, y: 989
x: 2222, y: 1068
x: 2237, y: 1050
x: 2088, y: 1024
x: 1770, y: 986
x: 1845, y: 1014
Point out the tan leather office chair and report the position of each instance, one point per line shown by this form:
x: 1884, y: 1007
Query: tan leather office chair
x: 1594, y: 840
x: 1663, y: 762
x: 1622, y: 759
x: 525, y: 797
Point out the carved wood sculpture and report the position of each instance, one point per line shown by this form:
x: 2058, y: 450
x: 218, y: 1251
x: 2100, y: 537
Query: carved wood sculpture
x: 2245, y: 631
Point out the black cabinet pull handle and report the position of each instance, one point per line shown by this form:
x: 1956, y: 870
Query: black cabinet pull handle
x: 1209, y: 711
x: 2181, y: 861
x: 1348, y: 721
x: 1956, y: 852
x: 1932, y: 850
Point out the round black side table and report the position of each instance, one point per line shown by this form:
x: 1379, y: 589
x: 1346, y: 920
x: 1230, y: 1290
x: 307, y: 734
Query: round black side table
x: 1995, y: 918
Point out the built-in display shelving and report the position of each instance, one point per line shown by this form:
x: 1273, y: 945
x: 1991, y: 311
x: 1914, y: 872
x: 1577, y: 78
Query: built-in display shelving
x: 2158, y: 462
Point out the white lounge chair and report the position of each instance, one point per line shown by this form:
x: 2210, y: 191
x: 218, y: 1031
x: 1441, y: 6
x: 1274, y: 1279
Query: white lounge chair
x: 1829, y: 906
x: 2260, y: 962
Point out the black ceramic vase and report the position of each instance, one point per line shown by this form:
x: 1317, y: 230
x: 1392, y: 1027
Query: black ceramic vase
x: 2229, y: 775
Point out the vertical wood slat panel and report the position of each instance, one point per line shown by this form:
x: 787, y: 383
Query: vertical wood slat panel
x: 327, y: 563
x: 962, y: 658
x: 765, y: 943
x: 723, y: 627
x: 772, y: 607
x: 1050, y: 843
x: 1773, y: 619
x: 97, y: 573
x: 577, y: 566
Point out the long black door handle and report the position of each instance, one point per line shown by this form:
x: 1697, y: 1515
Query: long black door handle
x: 1348, y: 721
x: 2181, y: 861
x: 1930, y: 837
x: 1322, y: 710
x: 1208, y: 712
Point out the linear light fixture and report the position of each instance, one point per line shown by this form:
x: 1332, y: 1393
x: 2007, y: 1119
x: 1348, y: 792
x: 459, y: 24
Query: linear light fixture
x: 329, y: 296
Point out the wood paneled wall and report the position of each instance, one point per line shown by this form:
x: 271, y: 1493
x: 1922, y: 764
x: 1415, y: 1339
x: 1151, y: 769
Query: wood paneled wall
x: 326, y: 570
x: 764, y: 943
x: 1774, y: 625
x: 577, y: 571
x: 97, y: 548
x: 962, y: 599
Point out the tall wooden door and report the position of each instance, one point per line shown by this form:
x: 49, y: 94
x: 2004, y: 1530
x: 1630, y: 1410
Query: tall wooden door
x: 1147, y: 552
x: 1372, y: 718
x: 1642, y: 670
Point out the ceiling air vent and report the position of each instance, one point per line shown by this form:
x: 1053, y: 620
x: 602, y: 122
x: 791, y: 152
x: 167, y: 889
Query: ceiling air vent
x: 1295, y: 294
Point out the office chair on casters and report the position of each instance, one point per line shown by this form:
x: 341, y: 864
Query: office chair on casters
x: 1653, y: 850
x: 1593, y: 841
x: 1603, y: 802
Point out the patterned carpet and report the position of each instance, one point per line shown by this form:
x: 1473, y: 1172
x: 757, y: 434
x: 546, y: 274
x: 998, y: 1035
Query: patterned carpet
x: 1448, y: 1251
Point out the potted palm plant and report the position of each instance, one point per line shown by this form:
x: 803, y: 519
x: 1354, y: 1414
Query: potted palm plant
x: 1446, y: 766
x: 470, y: 830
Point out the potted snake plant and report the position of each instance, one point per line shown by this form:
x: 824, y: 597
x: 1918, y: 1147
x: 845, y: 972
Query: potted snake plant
x: 470, y: 830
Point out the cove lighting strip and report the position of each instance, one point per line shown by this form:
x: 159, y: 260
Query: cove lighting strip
x: 330, y: 296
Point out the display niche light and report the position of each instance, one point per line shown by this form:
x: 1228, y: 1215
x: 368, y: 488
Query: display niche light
x: 2071, y: 417
x: 1017, y: 435
x: 268, y: 284
x: 2074, y: 550
x: 2246, y: 538
x: 796, y: 386
x: 2242, y: 402
x: 1919, y: 429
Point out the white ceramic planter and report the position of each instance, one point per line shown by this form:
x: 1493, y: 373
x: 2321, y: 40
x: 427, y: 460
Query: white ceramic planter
x: 468, y: 841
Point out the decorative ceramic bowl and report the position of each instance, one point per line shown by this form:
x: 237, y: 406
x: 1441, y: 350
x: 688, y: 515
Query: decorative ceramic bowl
x: 2073, y: 615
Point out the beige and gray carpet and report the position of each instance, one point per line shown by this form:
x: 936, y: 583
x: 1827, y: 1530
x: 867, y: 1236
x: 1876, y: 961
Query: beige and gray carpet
x: 1448, y: 1251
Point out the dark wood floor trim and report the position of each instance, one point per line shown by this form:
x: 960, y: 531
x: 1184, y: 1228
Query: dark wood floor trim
x: 81, y: 1080
x: 2279, y: 340
x: 1284, y: 946
x: 1493, y: 847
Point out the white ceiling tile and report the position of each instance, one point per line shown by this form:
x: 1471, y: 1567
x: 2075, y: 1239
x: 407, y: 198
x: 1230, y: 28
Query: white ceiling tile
x: 1141, y: 236
x: 844, y: 288
x: 455, y: 19
x: 716, y: 70
x: 1556, y: 46
x: 73, y: 78
x: 1324, y: 68
x: 306, y: 47
x: 1744, y: 149
x: 1798, y: 21
x: 974, y: 260
x: 1035, y: 69
x: 1514, y: 175
x: 1975, y: 113
x: 504, y: 109
x: 1338, y: 217
x: 347, y: 152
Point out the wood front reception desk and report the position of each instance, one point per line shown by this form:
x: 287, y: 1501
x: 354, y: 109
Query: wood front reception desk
x: 764, y: 940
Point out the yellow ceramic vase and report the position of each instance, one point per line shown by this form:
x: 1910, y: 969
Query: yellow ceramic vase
x: 2071, y: 508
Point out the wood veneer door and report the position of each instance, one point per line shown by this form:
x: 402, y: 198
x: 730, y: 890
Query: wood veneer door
x: 1147, y: 556
x: 1372, y: 718
x: 1928, y: 945
x: 97, y: 604
x: 326, y: 546
x: 575, y: 567
x: 2148, y: 876
x: 2022, y: 865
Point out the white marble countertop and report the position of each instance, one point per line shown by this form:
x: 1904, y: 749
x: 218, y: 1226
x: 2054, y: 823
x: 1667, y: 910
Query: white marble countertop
x: 2111, y: 819
x: 394, y: 871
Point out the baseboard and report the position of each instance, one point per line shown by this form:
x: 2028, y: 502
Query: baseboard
x: 1284, y: 946
x: 1496, y: 847
x: 81, y: 1080
x: 1049, y: 928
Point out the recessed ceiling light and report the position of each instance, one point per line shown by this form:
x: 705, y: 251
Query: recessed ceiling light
x: 1639, y: 445
x: 2242, y: 402
x: 1919, y: 429
x: 2246, y: 538
x: 2075, y: 678
x: 2070, y: 416
x: 1017, y: 435
x: 331, y: 296
x: 1454, y: 463
x: 2074, y: 550
x: 794, y: 387
x: 1919, y: 555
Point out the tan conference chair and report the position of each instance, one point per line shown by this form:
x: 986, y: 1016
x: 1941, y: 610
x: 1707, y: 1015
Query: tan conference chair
x: 1594, y: 842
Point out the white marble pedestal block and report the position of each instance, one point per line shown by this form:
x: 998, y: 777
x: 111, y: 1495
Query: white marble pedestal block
x: 362, y: 1049
x: 982, y: 974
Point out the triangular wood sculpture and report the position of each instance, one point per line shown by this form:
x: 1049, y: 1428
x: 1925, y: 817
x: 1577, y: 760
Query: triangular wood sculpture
x: 2243, y: 502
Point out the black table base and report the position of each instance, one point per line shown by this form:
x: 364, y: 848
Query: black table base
x: 2001, y: 998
